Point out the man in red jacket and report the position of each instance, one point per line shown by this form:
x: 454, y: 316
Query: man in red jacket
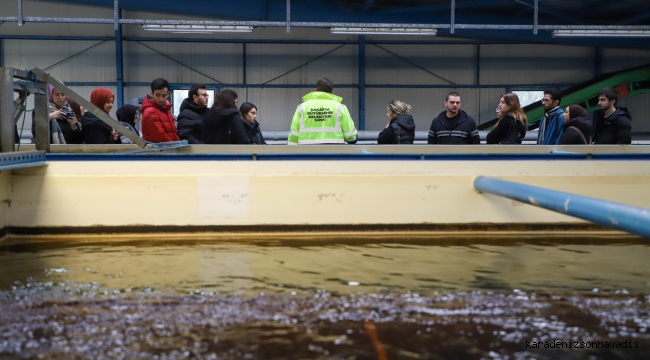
x: 157, y: 120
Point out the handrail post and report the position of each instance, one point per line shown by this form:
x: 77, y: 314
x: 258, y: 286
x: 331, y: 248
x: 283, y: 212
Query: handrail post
x: 6, y: 110
x: 42, y: 121
x: 606, y: 213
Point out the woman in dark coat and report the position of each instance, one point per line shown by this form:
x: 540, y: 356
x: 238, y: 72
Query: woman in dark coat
x: 577, y: 126
x: 401, y: 126
x: 222, y: 124
x: 64, y: 126
x: 249, y: 118
x: 127, y: 116
x: 511, y: 127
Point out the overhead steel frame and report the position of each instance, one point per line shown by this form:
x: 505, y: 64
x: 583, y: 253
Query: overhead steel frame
x: 118, y: 22
x: 360, y: 43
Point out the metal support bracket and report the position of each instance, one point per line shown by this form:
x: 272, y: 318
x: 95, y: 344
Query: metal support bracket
x: 6, y: 110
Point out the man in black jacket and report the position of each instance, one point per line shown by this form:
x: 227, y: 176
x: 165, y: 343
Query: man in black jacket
x: 190, y: 120
x: 453, y: 126
x: 613, y: 124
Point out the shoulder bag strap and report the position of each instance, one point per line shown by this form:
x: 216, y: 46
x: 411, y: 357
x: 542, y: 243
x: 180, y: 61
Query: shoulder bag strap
x: 581, y: 134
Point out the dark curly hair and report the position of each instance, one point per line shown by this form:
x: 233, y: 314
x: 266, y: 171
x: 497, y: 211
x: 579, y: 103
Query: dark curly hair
x: 225, y: 99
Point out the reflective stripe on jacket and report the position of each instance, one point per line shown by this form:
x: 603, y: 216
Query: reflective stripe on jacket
x: 322, y: 119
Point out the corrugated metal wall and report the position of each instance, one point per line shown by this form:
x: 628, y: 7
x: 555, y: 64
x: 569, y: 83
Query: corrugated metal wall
x: 536, y: 64
x: 220, y: 62
x: 640, y: 110
x: 619, y: 59
x: 96, y: 64
x: 312, y: 62
x: 455, y: 63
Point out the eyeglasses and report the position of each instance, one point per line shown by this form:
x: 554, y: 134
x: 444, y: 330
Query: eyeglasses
x: 205, y: 95
x: 546, y: 100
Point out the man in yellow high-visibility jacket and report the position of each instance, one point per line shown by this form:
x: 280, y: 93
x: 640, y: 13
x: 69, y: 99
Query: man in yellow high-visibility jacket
x: 322, y: 119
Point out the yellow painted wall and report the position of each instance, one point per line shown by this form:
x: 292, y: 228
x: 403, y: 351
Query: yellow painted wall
x: 5, y: 191
x: 120, y: 193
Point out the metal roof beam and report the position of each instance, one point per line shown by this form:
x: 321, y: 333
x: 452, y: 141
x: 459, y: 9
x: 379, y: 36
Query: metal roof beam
x: 367, y: 6
x: 434, y: 8
x: 551, y: 12
x: 633, y: 19
x: 594, y: 7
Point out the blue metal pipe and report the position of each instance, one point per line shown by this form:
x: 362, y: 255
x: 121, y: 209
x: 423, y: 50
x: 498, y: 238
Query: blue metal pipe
x: 610, y: 214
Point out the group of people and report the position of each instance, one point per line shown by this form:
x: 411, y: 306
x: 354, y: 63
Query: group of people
x: 322, y: 118
x: 223, y: 123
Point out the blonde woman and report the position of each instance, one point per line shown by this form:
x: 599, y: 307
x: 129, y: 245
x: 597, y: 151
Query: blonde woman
x: 401, y: 127
x: 511, y: 128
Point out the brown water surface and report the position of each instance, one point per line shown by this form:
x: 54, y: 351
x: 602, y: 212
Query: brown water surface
x: 209, y: 300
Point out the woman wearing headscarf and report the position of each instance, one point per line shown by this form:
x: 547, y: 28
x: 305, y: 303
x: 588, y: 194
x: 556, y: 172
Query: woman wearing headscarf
x: 577, y: 126
x: 401, y: 127
x: 64, y: 126
x: 127, y: 116
x: 95, y: 130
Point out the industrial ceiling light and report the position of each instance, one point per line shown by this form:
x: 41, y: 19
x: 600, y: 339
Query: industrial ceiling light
x: 601, y: 33
x: 383, y: 31
x: 197, y: 29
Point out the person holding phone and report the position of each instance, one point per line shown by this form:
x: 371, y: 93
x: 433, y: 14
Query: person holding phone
x: 64, y: 126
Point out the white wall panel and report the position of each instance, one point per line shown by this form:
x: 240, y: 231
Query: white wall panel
x: 426, y: 104
x: 488, y: 100
x: 536, y: 64
x: 222, y: 62
x: 639, y: 106
x: 96, y: 64
x: 132, y: 92
x: 268, y: 61
x: 619, y: 59
x: 455, y: 63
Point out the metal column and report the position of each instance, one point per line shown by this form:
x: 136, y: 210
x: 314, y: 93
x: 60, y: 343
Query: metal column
x: 598, y: 61
x: 119, y: 58
x: 6, y: 110
x: 362, y: 82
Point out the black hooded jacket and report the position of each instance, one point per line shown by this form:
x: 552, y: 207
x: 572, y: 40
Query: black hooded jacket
x: 508, y: 131
x: 459, y: 130
x: 616, y: 129
x: 254, y: 132
x: 97, y: 131
x: 224, y: 126
x: 400, y: 131
x: 190, y: 122
x: 571, y: 136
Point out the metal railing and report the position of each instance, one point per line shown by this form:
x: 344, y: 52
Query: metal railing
x: 606, y: 213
